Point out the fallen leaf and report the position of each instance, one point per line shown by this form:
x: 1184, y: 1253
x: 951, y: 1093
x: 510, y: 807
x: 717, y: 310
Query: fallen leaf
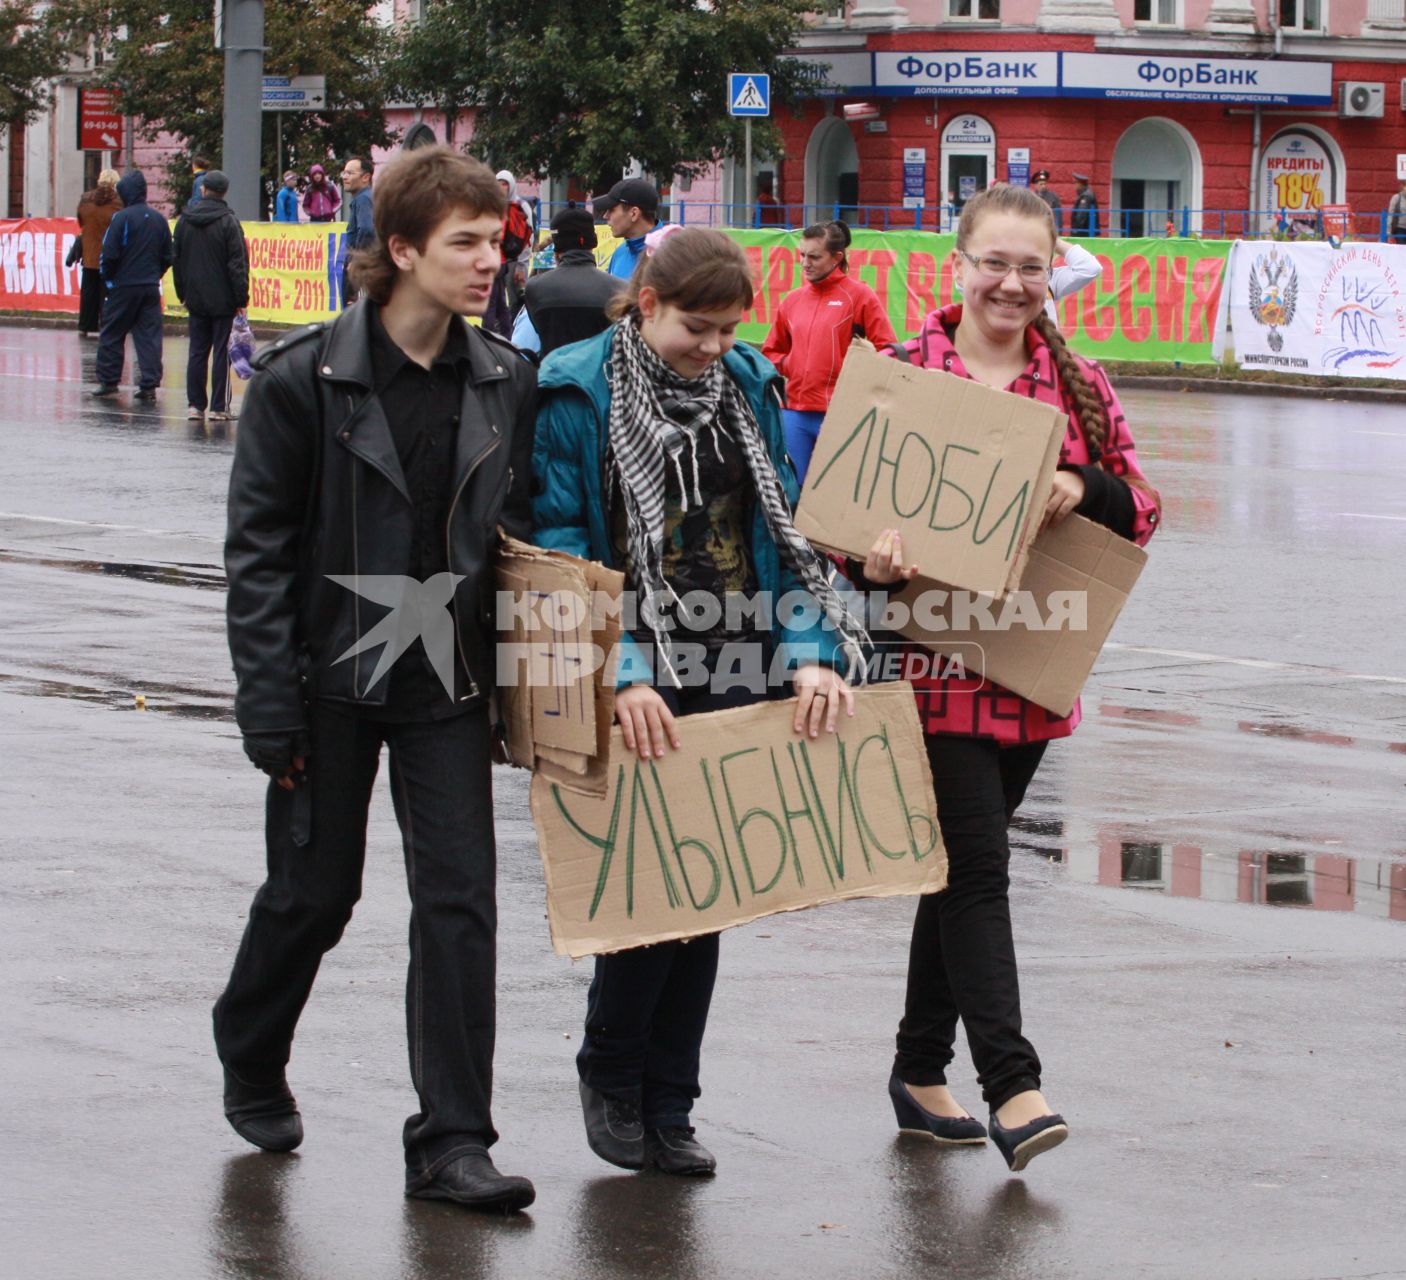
x: 1228, y: 1045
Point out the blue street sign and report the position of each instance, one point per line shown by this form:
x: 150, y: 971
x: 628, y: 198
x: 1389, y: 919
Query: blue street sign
x: 748, y: 93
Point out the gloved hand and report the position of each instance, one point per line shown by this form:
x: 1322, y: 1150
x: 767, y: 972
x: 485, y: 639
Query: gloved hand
x: 278, y: 754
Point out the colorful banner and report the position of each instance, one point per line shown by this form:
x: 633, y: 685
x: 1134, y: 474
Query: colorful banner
x: 32, y: 274
x: 295, y: 272
x: 1156, y: 300
x: 1313, y: 309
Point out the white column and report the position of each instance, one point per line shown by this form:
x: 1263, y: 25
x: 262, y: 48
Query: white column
x: 1079, y: 15
x: 1232, y: 17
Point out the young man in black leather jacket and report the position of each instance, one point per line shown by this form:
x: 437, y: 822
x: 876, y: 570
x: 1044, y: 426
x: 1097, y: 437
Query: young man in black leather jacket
x: 375, y: 461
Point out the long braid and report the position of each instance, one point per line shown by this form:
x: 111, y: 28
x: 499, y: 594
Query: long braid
x: 1088, y: 408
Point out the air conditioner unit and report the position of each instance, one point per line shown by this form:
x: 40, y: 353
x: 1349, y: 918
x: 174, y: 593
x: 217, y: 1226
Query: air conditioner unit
x: 1359, y: 98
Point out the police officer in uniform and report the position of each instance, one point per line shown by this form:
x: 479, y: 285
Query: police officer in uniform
x: 1042, y: 190
x: 1083, y: 221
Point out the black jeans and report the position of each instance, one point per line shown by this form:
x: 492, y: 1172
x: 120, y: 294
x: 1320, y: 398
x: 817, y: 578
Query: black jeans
x: 962, y: 960
x: 209, y: 346
x: 90, y: 300
x: 648, y: 1007
x: 135, y: 309
x: 442, y: 790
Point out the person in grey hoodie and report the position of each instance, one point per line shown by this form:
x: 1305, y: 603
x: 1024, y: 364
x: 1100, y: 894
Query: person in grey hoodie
x: 136, y: 253
x: 212, y: 280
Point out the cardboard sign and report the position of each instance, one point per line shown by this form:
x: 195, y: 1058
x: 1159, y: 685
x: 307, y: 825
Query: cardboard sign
x: 1042, y: 641
x: 745, y: 820
x: 960, y: 470
x: 555, y: 676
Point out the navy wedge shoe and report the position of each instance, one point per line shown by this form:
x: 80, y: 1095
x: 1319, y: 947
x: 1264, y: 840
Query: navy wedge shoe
x: 1020, y: 1146
x: 957, y: 1131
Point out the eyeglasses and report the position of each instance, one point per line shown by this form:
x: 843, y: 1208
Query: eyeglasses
x: 999, y: 268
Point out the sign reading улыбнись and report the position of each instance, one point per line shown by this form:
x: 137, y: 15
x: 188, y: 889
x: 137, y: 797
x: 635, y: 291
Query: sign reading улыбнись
x: 746, y: 819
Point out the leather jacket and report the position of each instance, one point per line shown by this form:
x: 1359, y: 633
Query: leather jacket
x: 317, y: 489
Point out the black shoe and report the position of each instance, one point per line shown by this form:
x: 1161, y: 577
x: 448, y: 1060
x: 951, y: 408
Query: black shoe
x: 103, y: 390
x: 265, y: 1115
x: 614, y: 1129
x: 1020, y: 1146
x: 676, y: 1150
x: 961, y: 1131
x: 146, y: 393
x: 472, y: 1180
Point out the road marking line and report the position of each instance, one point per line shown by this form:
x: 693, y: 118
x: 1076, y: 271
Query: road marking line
x: 1257, y: 663
x: 96, y: 524
x: 1367, y: 515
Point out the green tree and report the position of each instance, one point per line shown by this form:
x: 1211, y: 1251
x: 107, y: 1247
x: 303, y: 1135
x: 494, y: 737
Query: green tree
x: 161, y: 58
x: 32, y: 53
x: 573, y: 87
x: 429, y: 68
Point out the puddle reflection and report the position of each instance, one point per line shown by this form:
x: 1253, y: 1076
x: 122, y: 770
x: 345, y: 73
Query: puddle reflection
x: 165, y: 575
x: 188, y: 704
x: 1313, y: 881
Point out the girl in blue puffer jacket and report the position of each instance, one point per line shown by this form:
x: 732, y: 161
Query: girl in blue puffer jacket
x: 660, y: 451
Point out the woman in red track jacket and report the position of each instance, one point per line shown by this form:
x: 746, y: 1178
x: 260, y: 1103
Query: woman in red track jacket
x: 984, y: 742
x: 814, y: 327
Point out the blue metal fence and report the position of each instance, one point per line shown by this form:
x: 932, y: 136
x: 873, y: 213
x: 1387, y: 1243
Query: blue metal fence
x: 1209, y: 224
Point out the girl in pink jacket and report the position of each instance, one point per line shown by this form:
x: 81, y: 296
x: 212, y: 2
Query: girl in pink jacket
x: 984, y: 742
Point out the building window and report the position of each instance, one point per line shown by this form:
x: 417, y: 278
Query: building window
x: 974, y: 10
x: 1301, y: 15
x: 1159, y: 13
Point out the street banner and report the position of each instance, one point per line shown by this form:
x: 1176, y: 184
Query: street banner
x: 32, y: 274
x: 295, y: 272
x: 956, y: 467
x: 745, y: 820
x: 1316, y: 310
x: 1155, y: 301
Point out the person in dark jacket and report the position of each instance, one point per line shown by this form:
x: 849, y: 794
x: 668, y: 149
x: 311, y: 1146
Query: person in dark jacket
x: 96, y: 210
x: 567, y: 304
x: 1083, y: 221
x: 136, y: 253
x: 390, y: 444
x: 212, y: 280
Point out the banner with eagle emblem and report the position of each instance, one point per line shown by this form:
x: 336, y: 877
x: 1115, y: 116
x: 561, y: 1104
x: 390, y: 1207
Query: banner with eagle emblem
x: 1315, y: 309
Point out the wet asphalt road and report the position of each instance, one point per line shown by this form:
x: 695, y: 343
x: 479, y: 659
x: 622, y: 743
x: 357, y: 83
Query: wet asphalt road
x: 1209, y: 893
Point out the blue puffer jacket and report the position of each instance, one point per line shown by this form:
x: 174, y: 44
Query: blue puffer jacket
x: 568, y: 472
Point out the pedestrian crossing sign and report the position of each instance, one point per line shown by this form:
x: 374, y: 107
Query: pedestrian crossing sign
x: 748, y: 93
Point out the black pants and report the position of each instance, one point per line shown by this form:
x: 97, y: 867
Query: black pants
x: 442, y: 790
x: 349, y: 293
x: 209, y: 350
x: 648, y: 1007
x: 90, y: 300
x: 498, y: 318
x: 135, y: 309
x: 962, y: 960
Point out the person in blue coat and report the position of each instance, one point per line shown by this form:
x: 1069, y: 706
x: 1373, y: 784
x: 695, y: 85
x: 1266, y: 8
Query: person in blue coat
x: 285, y: 207
x: 631, y: 210
x: 673, y: 468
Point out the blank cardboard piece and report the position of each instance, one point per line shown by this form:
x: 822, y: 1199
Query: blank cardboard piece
x: 961, y: 470
x: 558, y: 699
x: 1048, y: 664
x: 747, y: 819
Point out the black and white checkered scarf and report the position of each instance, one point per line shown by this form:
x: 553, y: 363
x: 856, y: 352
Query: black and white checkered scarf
x: 658, y: 420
